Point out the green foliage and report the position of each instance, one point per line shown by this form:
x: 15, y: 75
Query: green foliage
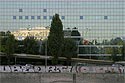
x: 115, y: 51
x: 7, y: 44
x: 30, y: 45
x: 19, y: 47
x: 69, y: 49
x: 10, y: 44
x: 55, y: 38
x: 123, y: 52
x: 2, y: 41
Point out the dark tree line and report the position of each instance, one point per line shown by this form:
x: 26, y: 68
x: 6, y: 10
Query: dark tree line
x: 56, y: 45
x: 7, y: 44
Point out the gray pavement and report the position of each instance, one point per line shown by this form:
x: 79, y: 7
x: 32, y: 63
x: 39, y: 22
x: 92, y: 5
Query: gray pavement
x: 60, y: 78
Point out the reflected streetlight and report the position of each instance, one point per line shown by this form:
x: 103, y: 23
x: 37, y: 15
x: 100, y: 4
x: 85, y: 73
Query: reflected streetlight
x: 46, y: 54
x: 40, y: 43
x: 87, y: 31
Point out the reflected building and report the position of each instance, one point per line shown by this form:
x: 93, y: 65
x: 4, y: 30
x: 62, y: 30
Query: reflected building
x: 95, y: 19
x: 39, y: 33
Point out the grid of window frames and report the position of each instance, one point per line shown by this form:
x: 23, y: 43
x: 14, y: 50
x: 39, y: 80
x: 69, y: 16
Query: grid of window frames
x: 100, y: 20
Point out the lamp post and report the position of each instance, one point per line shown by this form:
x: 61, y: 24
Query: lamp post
x: 87, y: 30
x: 15, y: 60
x: 90, y: 53
x: 123, y: 49
x: 40, y: 43
x: 45, y: 51
x: 46, y: 54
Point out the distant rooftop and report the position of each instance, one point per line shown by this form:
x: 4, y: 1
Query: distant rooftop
x: 123, y: 38
x: 34, y: 28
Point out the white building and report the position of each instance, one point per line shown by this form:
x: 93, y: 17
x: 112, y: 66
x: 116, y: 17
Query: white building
x: 39, y: 33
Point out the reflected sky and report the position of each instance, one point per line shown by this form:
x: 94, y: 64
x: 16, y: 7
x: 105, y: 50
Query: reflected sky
x: 100, y: 18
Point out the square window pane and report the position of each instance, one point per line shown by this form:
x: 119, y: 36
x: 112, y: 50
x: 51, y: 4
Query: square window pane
x: 105, y: 17
x: 63, y: 17
x: 44, y: 10
x: 50, y: 17
x: 81, y: 17
x: 32, y: 17
x: 20, y: 10
x: 44, y: 17
x: 20, y: 17
x: 14, y: 17
x: 38, y: 17
x: 26, y: 17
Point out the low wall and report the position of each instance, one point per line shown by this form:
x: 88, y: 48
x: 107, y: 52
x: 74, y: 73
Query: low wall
x: 8, y: 77
x: 64, y: 69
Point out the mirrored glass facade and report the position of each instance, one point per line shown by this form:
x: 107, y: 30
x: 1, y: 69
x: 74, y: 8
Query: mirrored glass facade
x: 104, y: 18
x: 95, y: 19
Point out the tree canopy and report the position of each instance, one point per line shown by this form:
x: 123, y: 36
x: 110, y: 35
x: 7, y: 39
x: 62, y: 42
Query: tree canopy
x: 55, y: 39
x: 69, y: 49
x: 30, y: 45
x: 7, y: 44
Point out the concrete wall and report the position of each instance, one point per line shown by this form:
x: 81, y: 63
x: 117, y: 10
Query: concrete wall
x: 16, y: 77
